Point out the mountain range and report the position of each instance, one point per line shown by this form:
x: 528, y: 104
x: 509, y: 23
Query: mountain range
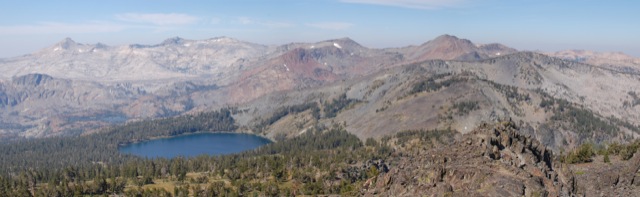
x: 446, y: 83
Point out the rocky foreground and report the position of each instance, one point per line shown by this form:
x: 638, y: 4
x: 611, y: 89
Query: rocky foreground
x: 495, y: 160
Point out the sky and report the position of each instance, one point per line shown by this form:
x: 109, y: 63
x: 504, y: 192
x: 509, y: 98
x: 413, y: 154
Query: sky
x: 546, y: 25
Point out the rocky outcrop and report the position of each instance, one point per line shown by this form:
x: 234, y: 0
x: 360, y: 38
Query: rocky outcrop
x: 618, y: 178
x: 493, y: 160
x: 32, y: 79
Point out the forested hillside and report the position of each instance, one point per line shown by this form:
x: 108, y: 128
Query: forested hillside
x: 102, y: 147
x: 322, y: 161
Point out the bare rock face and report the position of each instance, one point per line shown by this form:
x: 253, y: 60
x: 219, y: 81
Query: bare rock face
x: 493, y: 160
x: 618, y: 178
x: 32, y: 79
x: 612, y: 60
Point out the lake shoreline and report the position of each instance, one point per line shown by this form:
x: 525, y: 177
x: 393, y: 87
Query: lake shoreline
x: 121, y: 144
x: 196, y: 143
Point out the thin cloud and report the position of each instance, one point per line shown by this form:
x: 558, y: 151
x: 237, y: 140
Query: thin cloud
x: 62, y: 28
x: 331, y: 25
x: 244, y: 20
x: 158, y: 19
x: 215, y: 21
x: 273, y: 24
x: 269, y: 24
x: 413, y: 4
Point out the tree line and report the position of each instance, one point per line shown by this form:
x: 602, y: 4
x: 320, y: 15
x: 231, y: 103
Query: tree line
x: 102, y: 147
x: 321, y: 161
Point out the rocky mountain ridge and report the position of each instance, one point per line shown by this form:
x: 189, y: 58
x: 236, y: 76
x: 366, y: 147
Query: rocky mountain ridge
x: 492, y: 160
x: 173, y: 58
x: 614, y: 60
x: 220, y: 70
x: 388, y: 88
x: 497, y: 159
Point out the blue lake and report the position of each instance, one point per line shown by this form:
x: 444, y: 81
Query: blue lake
x: 195, y: 144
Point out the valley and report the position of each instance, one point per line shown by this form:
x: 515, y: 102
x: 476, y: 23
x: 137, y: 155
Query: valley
x: 448, y: 116
x: 227, y: 72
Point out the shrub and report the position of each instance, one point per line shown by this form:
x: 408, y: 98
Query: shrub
x: 581, y: 155
x: 606, y: 157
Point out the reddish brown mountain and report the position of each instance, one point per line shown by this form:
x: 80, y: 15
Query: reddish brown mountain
x: 447, y: 47
x: 308, y: 65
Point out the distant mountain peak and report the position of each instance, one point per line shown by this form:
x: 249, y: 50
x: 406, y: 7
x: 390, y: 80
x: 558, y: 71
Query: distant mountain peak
x: 67, y: 40
x: 448, y: 39
x: 446, y: 36
x: 100, y: 45
x: 224, y: 39
x: 617, y: 59
x: 66, y: 43
x: 340, y: 43
x: 449, y: 47
x: 497, y: 49
x: 345, y: 40
x: 173, y: 40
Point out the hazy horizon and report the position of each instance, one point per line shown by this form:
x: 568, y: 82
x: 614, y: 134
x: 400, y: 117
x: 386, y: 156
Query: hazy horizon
x: 26, y: 27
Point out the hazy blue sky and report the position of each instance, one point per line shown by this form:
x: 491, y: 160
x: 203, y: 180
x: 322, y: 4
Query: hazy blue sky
x: 549, y: 25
